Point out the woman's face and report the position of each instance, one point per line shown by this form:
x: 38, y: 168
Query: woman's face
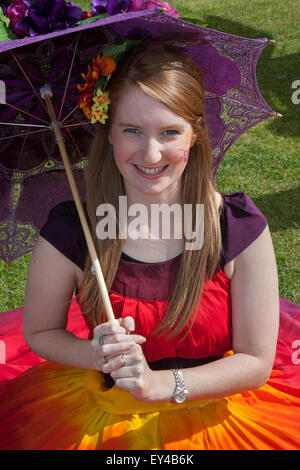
x: 151, y: 144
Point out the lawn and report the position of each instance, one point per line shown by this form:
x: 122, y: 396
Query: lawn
x: 265, y: 161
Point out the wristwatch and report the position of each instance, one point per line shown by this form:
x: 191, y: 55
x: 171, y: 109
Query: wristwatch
x: 180, y: 392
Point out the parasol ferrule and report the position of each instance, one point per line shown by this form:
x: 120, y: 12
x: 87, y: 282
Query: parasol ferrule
x: 45, y: 90
x: 275, y: 114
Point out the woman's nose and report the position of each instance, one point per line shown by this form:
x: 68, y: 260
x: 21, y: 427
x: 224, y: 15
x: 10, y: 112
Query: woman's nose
x: 152, y: 151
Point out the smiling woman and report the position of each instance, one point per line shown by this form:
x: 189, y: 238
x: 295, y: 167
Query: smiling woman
x: 194, y: 360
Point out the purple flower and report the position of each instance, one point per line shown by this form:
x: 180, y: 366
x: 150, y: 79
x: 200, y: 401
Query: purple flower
x: 112, y: 7
x: 45, y: 16
x: 16, y: 12
x: 138, y: 5
x: 98, y: 7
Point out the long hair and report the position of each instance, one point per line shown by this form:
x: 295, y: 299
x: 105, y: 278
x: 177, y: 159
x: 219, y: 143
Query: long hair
x: 167, y: 74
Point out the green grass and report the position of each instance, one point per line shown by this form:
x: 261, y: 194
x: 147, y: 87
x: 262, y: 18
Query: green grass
x: 264, y: 162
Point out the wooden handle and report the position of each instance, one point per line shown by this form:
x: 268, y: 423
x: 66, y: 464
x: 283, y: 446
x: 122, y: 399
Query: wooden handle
x: 85, y: 227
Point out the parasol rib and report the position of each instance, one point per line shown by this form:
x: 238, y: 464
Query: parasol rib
x: 90, y: 244
x: 28, y: 79
x: 68, y: 79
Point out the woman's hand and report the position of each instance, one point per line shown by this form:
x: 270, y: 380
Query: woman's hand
x: 134, y: 375
x: 122, y: 357
x: 112, y: 340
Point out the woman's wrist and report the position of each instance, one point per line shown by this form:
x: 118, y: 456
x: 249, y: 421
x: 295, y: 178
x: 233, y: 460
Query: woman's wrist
x: 163, y: 386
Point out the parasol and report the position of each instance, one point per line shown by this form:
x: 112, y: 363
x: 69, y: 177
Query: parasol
x: 41, y: 137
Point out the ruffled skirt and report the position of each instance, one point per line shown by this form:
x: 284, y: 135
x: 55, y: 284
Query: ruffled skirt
x: 48, y: 406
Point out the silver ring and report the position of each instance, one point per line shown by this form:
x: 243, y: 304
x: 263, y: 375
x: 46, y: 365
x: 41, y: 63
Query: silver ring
x: 101, y: 340
x: 124, y: 363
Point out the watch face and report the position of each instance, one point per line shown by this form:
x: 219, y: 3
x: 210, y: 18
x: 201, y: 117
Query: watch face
x: 181, y: 396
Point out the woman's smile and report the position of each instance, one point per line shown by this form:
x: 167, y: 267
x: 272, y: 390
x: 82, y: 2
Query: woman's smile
x: 151, y: 172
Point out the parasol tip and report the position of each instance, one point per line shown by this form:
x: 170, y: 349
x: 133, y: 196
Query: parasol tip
x: 275, y: 114
x: 45, y: 90
x: 272, y: 42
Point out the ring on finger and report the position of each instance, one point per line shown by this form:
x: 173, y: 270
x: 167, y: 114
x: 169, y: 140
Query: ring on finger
x: 124, y: 363
x: 101, y: 340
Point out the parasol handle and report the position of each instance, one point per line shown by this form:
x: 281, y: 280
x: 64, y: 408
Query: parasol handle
x: 46, y: 95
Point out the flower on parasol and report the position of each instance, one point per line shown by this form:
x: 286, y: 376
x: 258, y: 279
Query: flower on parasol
x: 93, y: 101
x: 34, y: 17
x: 15, y: 12
x: 112, y: 7
x: 137, y: 5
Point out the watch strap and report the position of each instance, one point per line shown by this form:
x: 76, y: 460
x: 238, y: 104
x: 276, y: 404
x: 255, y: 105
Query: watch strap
x: 179, y: 385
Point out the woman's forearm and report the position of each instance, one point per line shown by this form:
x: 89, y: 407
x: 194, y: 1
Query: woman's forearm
x: 62, y: 347
x: 232, y: 374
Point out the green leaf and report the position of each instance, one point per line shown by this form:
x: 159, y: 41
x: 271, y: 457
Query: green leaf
x: 6, y: 33
x: 116, y: 51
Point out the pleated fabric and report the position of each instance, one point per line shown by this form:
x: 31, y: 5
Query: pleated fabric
x: 49, y: 406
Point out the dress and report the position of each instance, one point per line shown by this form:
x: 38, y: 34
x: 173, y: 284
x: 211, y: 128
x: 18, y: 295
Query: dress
x: 49, y: 406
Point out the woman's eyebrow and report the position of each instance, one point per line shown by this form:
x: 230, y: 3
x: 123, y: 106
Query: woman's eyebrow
x: 136, y: 126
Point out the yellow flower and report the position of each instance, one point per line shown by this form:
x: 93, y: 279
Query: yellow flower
x: 98, y: 114
x: 101, y: 98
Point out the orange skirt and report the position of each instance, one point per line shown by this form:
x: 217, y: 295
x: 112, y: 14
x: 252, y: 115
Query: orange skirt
x: 48, y: 406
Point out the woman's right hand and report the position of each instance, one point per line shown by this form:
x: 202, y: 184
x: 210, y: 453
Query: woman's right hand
x: 116, y: 339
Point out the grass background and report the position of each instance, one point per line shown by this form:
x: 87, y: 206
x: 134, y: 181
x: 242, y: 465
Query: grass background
x: 264, y: 162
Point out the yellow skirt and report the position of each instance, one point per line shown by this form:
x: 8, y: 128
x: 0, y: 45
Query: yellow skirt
x: 56, y: 407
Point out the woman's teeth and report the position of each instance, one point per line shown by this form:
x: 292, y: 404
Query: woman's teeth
x: 153, y: 171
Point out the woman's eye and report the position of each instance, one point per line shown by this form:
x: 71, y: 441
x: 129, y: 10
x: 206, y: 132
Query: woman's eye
x: 131, y: 131
x: 171, y: 132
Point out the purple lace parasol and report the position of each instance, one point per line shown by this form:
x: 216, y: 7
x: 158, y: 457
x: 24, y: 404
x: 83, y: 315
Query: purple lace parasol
x: 32, y: 178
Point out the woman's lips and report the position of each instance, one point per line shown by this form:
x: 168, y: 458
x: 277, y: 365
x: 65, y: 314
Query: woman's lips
x: 151, y: 172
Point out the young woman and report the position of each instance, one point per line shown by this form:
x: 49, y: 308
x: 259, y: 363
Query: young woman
x: 188, y: 363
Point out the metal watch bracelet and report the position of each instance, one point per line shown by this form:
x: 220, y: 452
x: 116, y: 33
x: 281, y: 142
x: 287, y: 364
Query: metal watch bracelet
x: 180, y: 392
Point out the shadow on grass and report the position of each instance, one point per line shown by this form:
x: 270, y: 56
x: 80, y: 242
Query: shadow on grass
x: 275, y: 76
x: 281, y: 209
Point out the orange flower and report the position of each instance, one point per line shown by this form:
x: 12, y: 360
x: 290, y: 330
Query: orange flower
x: 108, y: 65
x: 100, y: 67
